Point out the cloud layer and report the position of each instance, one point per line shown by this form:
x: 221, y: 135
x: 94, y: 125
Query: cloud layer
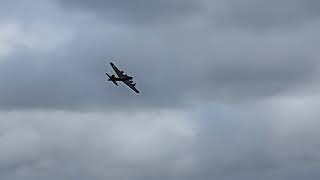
x: 229, y: 89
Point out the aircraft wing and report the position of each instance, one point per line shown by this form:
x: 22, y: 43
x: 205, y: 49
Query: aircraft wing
x: 131, y: 85
x: 119, y: 73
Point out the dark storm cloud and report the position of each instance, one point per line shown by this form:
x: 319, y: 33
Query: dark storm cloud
x: 260, y: 14
x: 141, y: 11
x: 257, y: 14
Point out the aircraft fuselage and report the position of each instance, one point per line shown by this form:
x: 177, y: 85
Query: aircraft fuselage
x: 122, y: 78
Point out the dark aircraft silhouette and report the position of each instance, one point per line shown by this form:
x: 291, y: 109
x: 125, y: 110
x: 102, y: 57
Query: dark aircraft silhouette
x: 122, y: 77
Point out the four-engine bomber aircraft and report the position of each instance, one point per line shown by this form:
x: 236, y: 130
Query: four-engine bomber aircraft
x: 122, y: 77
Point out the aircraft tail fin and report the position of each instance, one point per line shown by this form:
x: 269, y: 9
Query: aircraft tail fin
x: 112, y: 78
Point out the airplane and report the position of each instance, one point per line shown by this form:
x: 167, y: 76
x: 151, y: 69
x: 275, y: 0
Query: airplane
x: 122, y: 77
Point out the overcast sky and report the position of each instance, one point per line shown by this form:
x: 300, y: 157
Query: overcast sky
x: 229, y: 90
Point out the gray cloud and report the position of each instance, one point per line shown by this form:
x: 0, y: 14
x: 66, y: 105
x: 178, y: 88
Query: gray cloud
x: 171, y: 67
x: 224, y: 143
x: 132, y: 12
x: 107, y: 146
x: 259, y: 14
x: 174, y: 64
x: 265, y: 14
x: 229, y: 90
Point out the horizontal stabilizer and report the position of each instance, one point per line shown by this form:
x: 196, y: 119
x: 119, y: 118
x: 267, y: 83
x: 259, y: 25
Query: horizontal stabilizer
x: 112, y: 78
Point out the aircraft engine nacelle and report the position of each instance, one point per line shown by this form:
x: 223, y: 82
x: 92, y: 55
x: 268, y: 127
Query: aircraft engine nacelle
x: 133, y: 83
